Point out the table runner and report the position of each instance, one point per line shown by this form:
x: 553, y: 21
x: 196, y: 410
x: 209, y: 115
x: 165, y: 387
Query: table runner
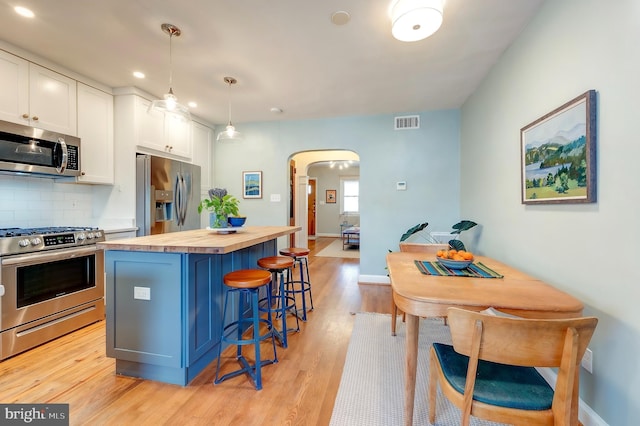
x: 478, y: 270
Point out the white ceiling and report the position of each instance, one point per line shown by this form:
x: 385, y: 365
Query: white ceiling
x: 284, y: 53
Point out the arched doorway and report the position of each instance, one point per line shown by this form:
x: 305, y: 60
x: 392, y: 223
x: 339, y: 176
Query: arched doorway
x: 299, y: 164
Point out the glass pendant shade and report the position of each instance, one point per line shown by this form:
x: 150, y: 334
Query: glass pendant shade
x: 169, y: 104
x: 414, y: 20
x: 229, y: 134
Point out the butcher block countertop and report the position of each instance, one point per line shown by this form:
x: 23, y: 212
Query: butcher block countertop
x: 204, y: 241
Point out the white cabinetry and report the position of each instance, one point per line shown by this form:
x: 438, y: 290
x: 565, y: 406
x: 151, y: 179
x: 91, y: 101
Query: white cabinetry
x: 202, y: 137
x: 95, y: 129
x: 36, y: 96
x: 14, y: 88
x: 158, y: 132
x: 202, y: 140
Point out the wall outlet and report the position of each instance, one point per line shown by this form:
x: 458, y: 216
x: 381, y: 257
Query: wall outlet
x: 142, y: 293
x: 587, y: 360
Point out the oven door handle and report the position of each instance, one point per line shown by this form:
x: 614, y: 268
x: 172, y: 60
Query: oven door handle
x: 49, y: 256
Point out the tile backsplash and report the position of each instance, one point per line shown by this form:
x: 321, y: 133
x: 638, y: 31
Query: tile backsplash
x: 29, y: 202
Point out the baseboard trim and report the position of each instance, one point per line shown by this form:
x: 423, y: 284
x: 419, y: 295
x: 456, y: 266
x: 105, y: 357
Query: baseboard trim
x: 323, y: 234
x: 374, y: 279
x: 587, y: 416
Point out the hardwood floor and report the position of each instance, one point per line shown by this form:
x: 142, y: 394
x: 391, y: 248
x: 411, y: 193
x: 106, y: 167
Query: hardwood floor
x: 299, y: 390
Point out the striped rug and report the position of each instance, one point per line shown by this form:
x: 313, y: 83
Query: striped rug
x: 371, y: 391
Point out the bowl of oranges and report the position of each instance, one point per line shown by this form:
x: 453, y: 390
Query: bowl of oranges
x: 454, y: 259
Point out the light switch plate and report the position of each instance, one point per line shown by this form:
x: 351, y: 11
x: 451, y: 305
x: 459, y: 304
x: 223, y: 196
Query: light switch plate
x: 401, y: 186
x: 275, y: 198
x: 142, y: 293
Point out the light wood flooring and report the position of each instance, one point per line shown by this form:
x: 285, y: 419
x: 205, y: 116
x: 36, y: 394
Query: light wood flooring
x: 299, y: 390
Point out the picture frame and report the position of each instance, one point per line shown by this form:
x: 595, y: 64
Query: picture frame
x: 558, y: 154
x: 252, y: 184
x: 330, y: 197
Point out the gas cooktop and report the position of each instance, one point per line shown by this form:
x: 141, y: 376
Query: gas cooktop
x: 28, y: 240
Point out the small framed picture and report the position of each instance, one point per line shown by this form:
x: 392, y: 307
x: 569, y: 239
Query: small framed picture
x: 251, y: 184
x: 331, y: 196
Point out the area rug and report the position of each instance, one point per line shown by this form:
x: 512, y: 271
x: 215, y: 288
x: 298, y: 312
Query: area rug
x: 335, y: 250
x: 371, y: 389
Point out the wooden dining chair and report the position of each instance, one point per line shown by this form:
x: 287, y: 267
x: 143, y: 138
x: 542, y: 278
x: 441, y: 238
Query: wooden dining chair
x: 489, y: 371
x: 430, y: 248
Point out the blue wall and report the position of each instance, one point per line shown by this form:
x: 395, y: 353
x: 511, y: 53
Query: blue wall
x: 588, y: 250
x: 427, y: 159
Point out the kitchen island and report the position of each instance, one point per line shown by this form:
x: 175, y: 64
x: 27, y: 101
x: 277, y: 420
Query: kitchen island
x: 164, y: 297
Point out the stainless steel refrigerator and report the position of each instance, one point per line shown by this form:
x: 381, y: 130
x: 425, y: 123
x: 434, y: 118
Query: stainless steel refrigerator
x: 167, y: 195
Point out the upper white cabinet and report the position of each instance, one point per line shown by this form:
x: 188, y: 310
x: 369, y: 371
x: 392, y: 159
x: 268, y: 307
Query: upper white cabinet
x: 14, y: 88
x: 202, y: 137
x: 36, y: 96
x: 95, y: 129
x: 202, y: 140
x: 158, y: 132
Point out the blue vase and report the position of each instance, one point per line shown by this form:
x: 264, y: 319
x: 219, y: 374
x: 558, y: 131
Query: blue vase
x: 217, y: 221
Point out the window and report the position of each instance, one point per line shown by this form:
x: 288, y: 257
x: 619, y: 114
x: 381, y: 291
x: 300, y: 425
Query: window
x: 350, y: 194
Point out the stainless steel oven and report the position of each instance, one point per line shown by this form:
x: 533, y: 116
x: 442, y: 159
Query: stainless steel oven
x: 51, y: 283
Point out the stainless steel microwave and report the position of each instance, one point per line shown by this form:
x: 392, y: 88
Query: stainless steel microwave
x: 38, y: 152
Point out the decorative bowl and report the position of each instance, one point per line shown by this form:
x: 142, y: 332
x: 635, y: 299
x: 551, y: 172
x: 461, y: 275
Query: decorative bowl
x: 454, y: 264
x: 236, y: 221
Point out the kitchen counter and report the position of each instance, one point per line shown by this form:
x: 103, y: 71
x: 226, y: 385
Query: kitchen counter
x: 203, y: 241
x: 165, y: 294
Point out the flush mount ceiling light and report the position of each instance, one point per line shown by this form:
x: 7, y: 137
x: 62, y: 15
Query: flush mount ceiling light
x: 230, y: 133
x: 169, y: 104
x: 340, y: 164
x: 413, y: 20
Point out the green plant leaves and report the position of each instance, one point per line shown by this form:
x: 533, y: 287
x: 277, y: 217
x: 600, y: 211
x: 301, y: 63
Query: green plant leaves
x: 226, y: 205
x: 463, y: 225
x: 413, y: 230
x: 456, y: 245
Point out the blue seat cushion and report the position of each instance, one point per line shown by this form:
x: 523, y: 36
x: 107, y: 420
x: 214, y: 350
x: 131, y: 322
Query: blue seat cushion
x: 497, y: 384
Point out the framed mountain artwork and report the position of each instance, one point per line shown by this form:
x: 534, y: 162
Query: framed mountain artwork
x: 559, y: 154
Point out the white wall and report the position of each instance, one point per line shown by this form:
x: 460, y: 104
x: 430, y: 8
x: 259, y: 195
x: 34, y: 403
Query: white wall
x: 27, y: 202
x: 588, y: 250
x: 427, y: 159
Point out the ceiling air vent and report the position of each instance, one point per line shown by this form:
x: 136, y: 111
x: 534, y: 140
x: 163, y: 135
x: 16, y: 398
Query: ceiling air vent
x: 407, y: 122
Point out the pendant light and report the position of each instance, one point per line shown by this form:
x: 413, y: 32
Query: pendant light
x: 230, y: 133
x: 169, y: 104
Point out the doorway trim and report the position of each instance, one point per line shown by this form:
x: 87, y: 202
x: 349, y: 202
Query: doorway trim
x: 313, y: 185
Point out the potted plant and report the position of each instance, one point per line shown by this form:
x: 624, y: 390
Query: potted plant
x: 463, y: 225
x: 220, y: 206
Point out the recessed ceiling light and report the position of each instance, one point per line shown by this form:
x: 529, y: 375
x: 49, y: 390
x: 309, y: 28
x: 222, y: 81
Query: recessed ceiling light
x: 340, y: 17
x: 276, y: 110
x: 138, y: 74
x: 23, y: 11
x: 192, y: 104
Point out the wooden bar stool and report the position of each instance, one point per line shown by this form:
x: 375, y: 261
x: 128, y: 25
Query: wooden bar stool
x: 247, y: 282
x: 286, y: 302
x: 299, y: 256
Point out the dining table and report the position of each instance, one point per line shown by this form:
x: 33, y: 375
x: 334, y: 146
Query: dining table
x: 419, y: 293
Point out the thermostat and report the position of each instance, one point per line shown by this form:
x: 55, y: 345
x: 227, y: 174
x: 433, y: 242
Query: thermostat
x: 401, y: 186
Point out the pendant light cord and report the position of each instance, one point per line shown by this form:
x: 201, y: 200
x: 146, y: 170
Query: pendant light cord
x: 229, y: 102
x: 170, y: 63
